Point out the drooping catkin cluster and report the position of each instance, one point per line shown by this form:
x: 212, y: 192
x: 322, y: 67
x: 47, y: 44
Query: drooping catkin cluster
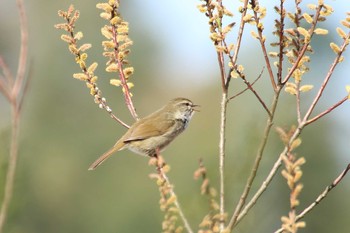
x: 79, y: 52
x: 167, y: 202
x: 292, y: 173
x: 211, y: 221
x: 116, y: 49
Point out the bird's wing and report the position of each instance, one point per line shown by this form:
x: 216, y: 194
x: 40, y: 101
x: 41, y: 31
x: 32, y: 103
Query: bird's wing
x: 147, y: 129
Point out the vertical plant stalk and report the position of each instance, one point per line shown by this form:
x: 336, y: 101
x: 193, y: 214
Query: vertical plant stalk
x: 11, y: 171
x: 127, y: 95
x: 222, y: 156
x: 14, y: 90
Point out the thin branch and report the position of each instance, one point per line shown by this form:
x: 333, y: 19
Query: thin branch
x: 14, y: 99
x: 222, y: 155
x: 262, y: 44
x: 244, y: 90
x: 321, y: 196
x: 250, y: 87
x: 25, y: 88
x: 327, y: 111
x: 4, y: 89
x: 298, y: 102
x: 7, y: 72
x: 327, y: 78
x: 127, y: 94
x: 109, y: 111
x: 240, y: 33
x: 11, y: 170
x: 22, y: 61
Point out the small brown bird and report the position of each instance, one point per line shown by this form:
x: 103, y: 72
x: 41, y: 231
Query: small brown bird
x: 153, y: 133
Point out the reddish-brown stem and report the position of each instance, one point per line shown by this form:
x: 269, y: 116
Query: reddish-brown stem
x: 250, y: 87
x: 126, y: 90
x: 325, y: 81
x: 85, y: 71
x: 22, y: 61
x: 262, y: 44
x: 244, y: 90
x: 327, y: 111
x: 240, y: 34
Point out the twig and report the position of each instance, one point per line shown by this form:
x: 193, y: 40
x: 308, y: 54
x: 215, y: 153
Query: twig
x: 327, y: 78
x: 105, y: 107
x: 7, y: 72
x: 321, y: 196
x: 126, y: 90
x: 262, y: 44
x: 11, y: 170
x: 240, y: 33
x: 297, y: 96
x: 222, y: 155
x: 22, y: 61
x: 327, y: 111
x: 244, y: 90
x: 250, y: 87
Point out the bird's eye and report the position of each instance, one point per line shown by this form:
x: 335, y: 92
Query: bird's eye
x: 187, y: 104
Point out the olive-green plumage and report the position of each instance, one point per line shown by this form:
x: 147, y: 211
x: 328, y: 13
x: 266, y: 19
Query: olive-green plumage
x: 154, y: 132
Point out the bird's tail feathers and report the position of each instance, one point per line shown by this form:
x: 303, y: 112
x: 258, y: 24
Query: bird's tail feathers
x: 103, y: 157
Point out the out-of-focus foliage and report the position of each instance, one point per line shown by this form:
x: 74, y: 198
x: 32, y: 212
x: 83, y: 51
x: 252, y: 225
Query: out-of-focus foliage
x: 62, y: 131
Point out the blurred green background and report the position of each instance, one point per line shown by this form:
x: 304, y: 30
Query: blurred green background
x: 63, y: 131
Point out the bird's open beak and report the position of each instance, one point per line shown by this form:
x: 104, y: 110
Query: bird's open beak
x: 195, y: 107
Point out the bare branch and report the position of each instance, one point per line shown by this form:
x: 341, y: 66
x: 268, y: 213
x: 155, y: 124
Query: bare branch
x: 244, y: 90
x: 326, y: 79
x: 22, y: 61
x: 262, y: 44
x: 327, y: 111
